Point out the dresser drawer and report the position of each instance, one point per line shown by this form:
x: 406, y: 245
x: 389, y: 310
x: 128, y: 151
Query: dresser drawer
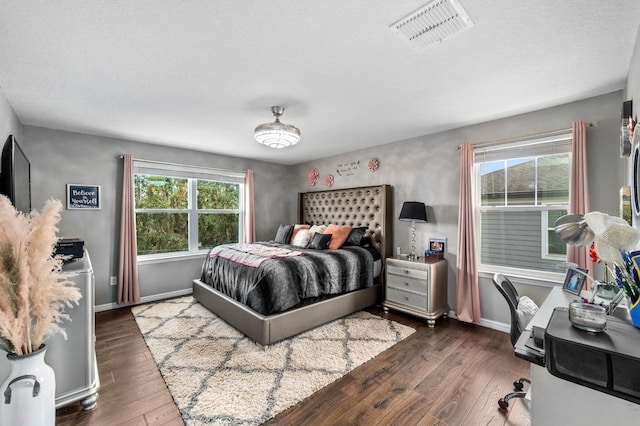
x: 407, y: 283
x: 406, y: 298
x: 408, y: 272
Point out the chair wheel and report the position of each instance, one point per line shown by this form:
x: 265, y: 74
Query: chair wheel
x: 518, y: 386
x: 503, y: 404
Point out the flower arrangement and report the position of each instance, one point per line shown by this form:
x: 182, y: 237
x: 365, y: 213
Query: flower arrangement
x: 615, y: 242
x: 33, y: 290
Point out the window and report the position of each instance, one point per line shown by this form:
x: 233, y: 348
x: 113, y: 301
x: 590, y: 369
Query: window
x: 521, y: 189
x: 185, y: 209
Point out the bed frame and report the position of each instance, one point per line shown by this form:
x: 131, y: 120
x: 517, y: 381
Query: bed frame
x: 369, y: 206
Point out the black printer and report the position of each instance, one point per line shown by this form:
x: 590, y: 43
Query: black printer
x: 70, y: 248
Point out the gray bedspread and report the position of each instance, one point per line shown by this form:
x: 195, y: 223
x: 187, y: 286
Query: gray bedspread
x: 281, y: 283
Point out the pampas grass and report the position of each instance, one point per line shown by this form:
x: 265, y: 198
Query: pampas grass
x: 33, y: 290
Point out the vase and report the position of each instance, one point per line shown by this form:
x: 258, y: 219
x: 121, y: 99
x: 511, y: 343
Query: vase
x: 28, y: 395
x: 634, y: 312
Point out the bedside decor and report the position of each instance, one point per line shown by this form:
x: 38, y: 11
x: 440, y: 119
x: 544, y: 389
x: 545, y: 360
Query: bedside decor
x: 413, y: 211
x: 33, y: 294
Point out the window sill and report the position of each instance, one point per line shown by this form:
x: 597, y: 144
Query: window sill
x: 545, y: 279
x: 165, y: 258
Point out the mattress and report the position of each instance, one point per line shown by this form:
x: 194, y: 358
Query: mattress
x: 269, y: 277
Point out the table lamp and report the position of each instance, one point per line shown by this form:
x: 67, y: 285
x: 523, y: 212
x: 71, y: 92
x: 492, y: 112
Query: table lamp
x: 413, y: 211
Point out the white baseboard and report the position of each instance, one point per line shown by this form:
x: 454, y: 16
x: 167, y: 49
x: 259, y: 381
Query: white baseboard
x: 495, y: 325
x: 146, y: 299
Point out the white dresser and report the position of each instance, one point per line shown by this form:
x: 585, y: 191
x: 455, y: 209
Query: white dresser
x: 417, y: 287
x: 73, y: 360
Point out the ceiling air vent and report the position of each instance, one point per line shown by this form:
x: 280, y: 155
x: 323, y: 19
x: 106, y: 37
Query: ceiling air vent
x: 433, y: 23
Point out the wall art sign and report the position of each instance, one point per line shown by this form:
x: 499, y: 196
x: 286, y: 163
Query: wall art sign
x: 83, y: 197
x: 348, y: 168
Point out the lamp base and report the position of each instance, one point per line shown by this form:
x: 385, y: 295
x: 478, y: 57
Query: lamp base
x: 412, y: 256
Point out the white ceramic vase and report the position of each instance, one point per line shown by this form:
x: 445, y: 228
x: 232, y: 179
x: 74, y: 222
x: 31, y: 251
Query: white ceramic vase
x: 28, y: 395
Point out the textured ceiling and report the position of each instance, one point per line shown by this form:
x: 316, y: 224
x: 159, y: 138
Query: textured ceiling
x: 202, y: 74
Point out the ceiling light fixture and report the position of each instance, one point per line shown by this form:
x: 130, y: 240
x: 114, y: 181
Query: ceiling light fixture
x: 277, y: 134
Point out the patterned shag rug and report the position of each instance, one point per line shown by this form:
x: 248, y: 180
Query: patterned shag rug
x: 218, y: 376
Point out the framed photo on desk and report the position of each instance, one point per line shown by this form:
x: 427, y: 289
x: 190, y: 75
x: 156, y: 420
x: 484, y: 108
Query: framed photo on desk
x: 574, y: 281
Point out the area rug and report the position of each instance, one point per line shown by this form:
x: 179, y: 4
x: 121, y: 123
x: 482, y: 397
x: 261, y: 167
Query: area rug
x: 216, y: 375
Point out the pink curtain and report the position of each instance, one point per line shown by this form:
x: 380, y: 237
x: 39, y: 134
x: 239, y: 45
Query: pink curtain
x: 467, y: 291
x: 128, y: 291
x: 578, y: 193
x: 250, y: 214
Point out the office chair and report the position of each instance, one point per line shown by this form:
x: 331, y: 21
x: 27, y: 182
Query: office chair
x: 506, y: 288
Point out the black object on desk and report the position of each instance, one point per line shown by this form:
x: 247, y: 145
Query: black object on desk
x: 607, y: 361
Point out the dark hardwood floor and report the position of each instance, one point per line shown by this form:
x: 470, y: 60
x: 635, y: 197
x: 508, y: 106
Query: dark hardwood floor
x: 452, y: 374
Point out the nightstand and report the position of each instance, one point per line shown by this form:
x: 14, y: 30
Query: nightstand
x: 417, y: 287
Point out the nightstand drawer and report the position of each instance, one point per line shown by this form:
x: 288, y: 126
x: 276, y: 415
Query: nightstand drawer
x: 407, y: 298
x: 407, y: 283
x: 408, y: 272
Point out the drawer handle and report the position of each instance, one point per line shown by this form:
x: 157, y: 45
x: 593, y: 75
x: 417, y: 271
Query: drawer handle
x: 406, y: 298
x: 406, y: 271
x: 406, y: 284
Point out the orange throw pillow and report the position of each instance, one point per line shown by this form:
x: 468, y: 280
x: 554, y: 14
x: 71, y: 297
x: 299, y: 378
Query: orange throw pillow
x: 296, y: 228
x: 339, y: 233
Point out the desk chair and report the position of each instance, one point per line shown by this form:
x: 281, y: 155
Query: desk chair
x: 518, y: 323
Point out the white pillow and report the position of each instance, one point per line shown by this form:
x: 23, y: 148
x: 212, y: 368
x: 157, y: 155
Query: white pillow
x: 319, y: 229
x: 302, y: 238
x: 527, y: 308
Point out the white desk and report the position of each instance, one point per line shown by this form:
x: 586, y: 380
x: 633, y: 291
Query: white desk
x: 555, y: 401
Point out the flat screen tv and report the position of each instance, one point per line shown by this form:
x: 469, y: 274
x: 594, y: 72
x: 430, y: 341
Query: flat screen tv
x: 15, y: 175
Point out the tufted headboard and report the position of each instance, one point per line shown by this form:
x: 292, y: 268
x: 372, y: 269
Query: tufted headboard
x: 369, y: 206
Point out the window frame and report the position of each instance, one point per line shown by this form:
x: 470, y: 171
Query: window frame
x: 192, y: 174
x: 536, y: 276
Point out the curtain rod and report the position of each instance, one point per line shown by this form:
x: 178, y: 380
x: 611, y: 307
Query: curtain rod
x: 185, y: 165
x: 525, y: 137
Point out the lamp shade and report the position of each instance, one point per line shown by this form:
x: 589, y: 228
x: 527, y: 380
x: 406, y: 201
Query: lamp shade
x: 413, y: 210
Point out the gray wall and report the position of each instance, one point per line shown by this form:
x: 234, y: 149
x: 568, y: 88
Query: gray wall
x: 427, y: 169
x: 9, y: 123
x: 58, y: 158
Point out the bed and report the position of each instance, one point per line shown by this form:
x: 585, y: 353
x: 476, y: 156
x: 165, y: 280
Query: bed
x: 368, y: 207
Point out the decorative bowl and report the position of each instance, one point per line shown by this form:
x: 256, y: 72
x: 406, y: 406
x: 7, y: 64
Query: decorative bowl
x: 588, y: 317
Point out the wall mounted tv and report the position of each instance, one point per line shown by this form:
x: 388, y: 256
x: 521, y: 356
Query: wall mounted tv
x: 15, y: 175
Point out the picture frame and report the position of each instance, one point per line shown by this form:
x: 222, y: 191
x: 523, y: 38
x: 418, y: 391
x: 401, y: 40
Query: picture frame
x: 83, y: 197
x: 574, y: 281
x: 437, y: 245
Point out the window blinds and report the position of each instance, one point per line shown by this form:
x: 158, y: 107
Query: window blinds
x: 558, y: 144
x: 157, y: 168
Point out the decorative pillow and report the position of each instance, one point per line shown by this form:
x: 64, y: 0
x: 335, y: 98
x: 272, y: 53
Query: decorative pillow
x: 319, y: 241
x: 340, y: 234
x: 302, y: 238
x: 527, y: 308
x: 318, y: 229
x: 355, y: 236
x: 297, y: 228
x: 283, y: 236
